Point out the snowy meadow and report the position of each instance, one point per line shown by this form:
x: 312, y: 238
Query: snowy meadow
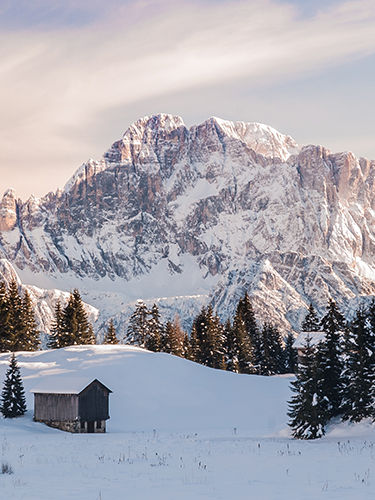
x: 178, y: 430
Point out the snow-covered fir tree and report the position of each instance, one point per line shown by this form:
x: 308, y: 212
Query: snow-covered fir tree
x: 208, y: 335
x: 28, y: 337
x: 290, y: 354
x: 138, y: 328
x: 15, y: 316
x: 331, y: 358
x: 56, y: 337
x: 5, y: 329
x: 359, y: 373
x: 231, y: 348
x: 110, y: 335
x: 76, y: 328
x: 155, y: 330
x: 174, y: 337
x: 246, y: 312
x: 243, y: 349
x: 311, y: 323
x: 307, y: 406
x: 18, y: 330
x: 272, y: 356
x: 13, y: 402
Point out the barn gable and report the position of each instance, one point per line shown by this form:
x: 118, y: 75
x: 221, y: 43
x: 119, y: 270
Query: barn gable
x: 74, y: 405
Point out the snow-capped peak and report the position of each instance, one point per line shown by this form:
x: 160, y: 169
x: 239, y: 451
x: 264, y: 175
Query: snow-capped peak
x: 263, y: 139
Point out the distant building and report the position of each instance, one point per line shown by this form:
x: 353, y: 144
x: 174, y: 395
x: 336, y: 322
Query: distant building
x: 300, y: 342
x: 73, y: 405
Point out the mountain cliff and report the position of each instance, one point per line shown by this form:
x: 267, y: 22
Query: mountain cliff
x: 184, y: 215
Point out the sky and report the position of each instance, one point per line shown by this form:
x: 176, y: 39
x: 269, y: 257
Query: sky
x: 74, y: 74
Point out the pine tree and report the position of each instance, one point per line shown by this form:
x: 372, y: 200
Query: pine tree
x: 231, y: 348
x: 330, y: 354
x: 371, y: 322
x: 246, y: 312
x: 194, y: 345
x: 5, y: 331
x: 242, y: 345
x: 359, y: 372
x: 28, y: 337
x: 187, y: 347
x: 13, y: 403
x: 290, y: 354
x: 306, y: 408
x: 208, y: 338
x: 174, y: 337
x: 15, y: 316
x: 138, y: 328
x: 56, y: 338
x: 154, y: 334
x: 110, y: 336
x: 76, y: 328
x: 272, y: 360
x: 311, y: 322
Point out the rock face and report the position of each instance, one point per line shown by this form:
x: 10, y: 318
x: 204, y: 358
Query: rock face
x: 213, y: 210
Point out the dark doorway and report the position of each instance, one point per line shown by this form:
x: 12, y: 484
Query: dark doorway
x: 90, y: 427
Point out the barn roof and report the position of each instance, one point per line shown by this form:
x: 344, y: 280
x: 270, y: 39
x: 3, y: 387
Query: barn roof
x: 65, y: 385
x: 315, y: 338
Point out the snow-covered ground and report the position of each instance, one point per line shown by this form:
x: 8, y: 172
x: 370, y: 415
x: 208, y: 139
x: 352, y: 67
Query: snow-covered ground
x: 177, y: 431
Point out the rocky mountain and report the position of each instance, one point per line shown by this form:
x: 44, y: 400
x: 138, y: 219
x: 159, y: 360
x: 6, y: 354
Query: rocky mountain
x: 184, y: 215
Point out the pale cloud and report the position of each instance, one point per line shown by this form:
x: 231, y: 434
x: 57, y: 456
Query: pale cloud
x: 56, y: 83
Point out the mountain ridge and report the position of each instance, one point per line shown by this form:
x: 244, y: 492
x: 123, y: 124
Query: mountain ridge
x: 218, y: 206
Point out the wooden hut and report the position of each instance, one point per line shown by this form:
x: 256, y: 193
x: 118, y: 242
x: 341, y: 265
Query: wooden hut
x: 73, y: 405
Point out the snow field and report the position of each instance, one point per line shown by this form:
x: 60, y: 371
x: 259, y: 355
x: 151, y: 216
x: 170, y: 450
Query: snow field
x: 178, y: 430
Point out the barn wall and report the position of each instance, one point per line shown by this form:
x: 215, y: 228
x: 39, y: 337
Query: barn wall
x: 55, y: 407
x: 93, y: 403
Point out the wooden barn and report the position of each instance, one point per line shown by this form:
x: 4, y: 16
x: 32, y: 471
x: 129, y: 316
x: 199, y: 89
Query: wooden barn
x: 73, y: 405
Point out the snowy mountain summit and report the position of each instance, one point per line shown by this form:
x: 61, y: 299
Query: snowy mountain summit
x: 187, y: 215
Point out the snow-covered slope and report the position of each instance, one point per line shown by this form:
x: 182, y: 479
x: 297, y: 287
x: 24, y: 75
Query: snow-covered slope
x: 161, y: 391
x: 177, y: 430
x: 208, y: 211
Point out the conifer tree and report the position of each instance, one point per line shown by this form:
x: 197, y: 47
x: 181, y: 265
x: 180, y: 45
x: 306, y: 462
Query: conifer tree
x: 167, y: 337
x: 13, y: 403
x: 28, y: 336
x: 110, y: 336
x: 231, y: 348
x: 359, y: 372
x: 246, y: 312
x: 330, y: 354
x: 272, y: 360
x: 138, y: 328
x: 56, y: 338
x: 174, y: 337
x: 311, y: 322
x: 187, y: 347
x: 208, y: 335
x: 154, y: 333
x: 76, y: 328
x: 290, y: 354
x: 371, y: 323
x: 306, y: 408
x: 242, y: 345
x: 5, y: 332
x: 194, y: 345
x: 15, y: 315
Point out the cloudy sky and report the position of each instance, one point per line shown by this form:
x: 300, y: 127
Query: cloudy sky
x: 75, y: 73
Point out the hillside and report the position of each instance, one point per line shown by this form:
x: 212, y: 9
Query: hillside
x: 160, y: 391
x: 177, y: 430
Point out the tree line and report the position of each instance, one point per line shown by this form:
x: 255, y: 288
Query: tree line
x: 18, y: 328
x: 335, y: 377
x: 239, y: 345
x: 18, y: 331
